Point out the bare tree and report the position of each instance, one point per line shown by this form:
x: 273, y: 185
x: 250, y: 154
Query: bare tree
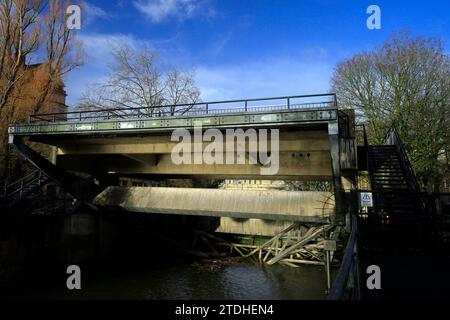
x: 62, y: 50
x: 405, y: 83
x: 32, y: 30
x: 137, y: 80
x: 180, y: 89
x: 19, y: 37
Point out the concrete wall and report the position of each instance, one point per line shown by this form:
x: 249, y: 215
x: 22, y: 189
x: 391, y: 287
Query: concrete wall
x: 307, y: 206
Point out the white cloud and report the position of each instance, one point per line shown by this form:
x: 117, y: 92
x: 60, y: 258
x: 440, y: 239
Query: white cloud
x: 160, y: 10
x: 264, y: 78
x: 93, y: 11
x: 221, y: 43
x: 309, y: 71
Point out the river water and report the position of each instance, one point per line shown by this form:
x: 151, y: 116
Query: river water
x: 186, y: 280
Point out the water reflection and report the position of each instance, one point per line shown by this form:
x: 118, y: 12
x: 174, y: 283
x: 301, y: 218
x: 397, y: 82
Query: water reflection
x: 242, y: 280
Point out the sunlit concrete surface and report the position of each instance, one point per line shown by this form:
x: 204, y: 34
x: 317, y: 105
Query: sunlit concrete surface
x: 308, y: 206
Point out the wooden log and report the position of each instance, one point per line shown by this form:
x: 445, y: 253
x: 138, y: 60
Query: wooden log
x: 276, y: 237
x: 239, y: 251
x: 269, y: 250
x: 307, y: 262
x: 312, y: 254
x: 309, y: 236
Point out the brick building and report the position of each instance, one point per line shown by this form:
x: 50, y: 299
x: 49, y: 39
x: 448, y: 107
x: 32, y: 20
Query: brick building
x: 35, y: 91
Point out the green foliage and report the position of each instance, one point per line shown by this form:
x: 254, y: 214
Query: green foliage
x: 406, y: 83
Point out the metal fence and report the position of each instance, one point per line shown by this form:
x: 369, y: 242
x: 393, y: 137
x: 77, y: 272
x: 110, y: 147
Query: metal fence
x: 346, y: 284
x: 327, y: 100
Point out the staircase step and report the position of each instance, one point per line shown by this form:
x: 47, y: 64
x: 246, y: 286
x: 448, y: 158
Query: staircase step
x: 387, y: 166
x: 389, y: 177
x: 383, y: 147
x: 386, y: 177
x: 387, y: 180
x: 389, y: 173
x: 389, y: 183
x: 390, y: 152
x: 384, y: 155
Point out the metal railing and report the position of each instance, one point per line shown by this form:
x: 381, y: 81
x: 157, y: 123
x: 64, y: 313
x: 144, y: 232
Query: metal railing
x: 200, y: 108
x: 370, y: 167
x: 16, y: 188
x: 393, y: 138
x: 346, y: 284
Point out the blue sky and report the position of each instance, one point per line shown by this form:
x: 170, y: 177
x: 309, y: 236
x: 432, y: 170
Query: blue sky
x: 244, y: 49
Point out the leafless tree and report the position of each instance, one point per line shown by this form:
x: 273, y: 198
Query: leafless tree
x: 20, y: 35
x: 137, y: 80
x: 32, y: 30
x: 180, y: 89
x: 62, y: 50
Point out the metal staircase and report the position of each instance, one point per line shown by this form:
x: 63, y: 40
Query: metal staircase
x: 398, y: 199
x: 394, y: 192
x: 392, y: 178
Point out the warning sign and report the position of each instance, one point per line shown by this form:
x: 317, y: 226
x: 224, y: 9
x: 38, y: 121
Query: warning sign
x: 366, y: 199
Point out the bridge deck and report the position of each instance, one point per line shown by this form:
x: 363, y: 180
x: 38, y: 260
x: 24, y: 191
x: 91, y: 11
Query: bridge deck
x: 153, y: 119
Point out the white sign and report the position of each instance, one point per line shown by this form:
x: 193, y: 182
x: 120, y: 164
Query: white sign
x: 366, y: 199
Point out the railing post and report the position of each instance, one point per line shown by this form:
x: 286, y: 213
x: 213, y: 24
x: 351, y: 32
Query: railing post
x: 328, y: 271
x: 289, y: 103
x: 246, y: 105
x: 207, y: 107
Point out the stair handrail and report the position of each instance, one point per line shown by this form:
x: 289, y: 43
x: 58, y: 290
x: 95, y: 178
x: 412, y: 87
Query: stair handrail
x: 348, y: 270
x: 393, y: 138
x: 370, y: 169
x: 24, y: 181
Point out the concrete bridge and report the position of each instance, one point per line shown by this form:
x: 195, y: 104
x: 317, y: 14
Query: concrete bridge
x: 316, y: 142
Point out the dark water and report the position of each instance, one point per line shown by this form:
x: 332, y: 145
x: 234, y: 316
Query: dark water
x: 182, y: 280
